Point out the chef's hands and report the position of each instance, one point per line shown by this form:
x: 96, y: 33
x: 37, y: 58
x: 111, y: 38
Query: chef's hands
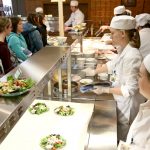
x: 89, y: 72
x: 68, y: 28
x: 100, y: 90
x: 101, y: 30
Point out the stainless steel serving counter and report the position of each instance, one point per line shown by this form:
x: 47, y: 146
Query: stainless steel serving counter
x: 102, y: 129
x: 40, y: 68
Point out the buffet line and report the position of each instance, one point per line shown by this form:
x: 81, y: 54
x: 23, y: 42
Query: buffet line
x: 94, y: 117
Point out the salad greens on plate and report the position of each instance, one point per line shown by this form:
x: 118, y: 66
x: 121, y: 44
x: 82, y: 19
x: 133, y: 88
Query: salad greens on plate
x: 64, y: 110
x: 38, y: 108
x: 53, y: 142
x: 15, y: 87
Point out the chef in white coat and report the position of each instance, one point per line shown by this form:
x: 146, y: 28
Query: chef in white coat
x: 143, y: 25
x: 77, y: 17
x: 125, y: 69
x: 139, y: 134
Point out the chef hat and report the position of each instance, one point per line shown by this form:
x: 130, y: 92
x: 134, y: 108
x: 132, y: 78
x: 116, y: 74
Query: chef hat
x: 147, y: 63
x: 39, y: 10
x: 123, y: 22
x: 74, y: 3
x: 119, y: 10
x: 129, y: 12
x: 142, y: 19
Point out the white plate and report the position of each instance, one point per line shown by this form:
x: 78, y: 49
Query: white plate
x: 86, y: 81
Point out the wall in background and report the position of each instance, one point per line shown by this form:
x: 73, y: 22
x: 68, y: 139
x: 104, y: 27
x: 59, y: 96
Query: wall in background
x: 100, y: 11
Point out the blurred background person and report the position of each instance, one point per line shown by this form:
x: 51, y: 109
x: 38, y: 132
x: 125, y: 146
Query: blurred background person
x: 39, y: 10
x: 16, y: 41
x: 5, y: 56
x: 143, y: 25
x: 76, y: 17
x: 35, y: 38
x: 42, y: 28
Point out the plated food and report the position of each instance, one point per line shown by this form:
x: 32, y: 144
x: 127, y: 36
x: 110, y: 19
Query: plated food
x: 15, y: 87
x: 78, y: 27
x: 53, y: 142
x: 38, y: 108
x: 64, y: 110
x: 86, y: 81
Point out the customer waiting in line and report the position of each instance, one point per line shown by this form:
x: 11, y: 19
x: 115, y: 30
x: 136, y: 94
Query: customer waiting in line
x: 39, y: 10
x: 143, y: 25
x: 5, y: 56
x: 138, y: 137
x: 16, y: 41
x: 125, y: 70
x: 34, y: 35
x: 42, y: 27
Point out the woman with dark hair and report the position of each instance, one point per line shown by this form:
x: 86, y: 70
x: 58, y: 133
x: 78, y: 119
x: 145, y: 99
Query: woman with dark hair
x: 34, y: 35
x: 5, y: 56
x: 125, y: 70
x: 16, y: 41
x: 42, y: 27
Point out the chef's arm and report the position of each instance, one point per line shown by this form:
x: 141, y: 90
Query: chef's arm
x: 68, y: 22
x: 116, y: 90
x: 101, y: 68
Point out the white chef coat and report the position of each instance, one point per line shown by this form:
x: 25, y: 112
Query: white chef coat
x: 145, y: 42
x: 76, y: 17
x: 126, y: 68
x: 139, y: 132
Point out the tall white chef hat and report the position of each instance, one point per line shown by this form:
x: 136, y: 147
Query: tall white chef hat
x: 146, y: 62
x: 142, y: 19
x: 74, y: 3
x: 119, y: 10
x: 39, y: 10
x: 123, y: 22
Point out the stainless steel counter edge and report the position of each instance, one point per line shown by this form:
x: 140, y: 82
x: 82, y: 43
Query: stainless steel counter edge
x: 40, y: 68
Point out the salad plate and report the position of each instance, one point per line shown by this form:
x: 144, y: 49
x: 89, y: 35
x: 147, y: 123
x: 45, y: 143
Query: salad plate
x: 15, y: 87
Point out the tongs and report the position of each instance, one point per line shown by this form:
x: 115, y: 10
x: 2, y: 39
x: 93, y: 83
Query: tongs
x: 98, y: 32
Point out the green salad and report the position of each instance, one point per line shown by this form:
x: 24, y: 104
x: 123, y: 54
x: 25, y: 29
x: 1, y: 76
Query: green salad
x: 52, y: 142
x: 38, y: 108
x: 12, y: 85
x: 64, y: 110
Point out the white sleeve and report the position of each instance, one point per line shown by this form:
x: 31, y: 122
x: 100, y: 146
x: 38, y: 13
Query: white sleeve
x: 69, y: 21
x: 79, y: 18
x: 131, y: 68
x: 135, y: 147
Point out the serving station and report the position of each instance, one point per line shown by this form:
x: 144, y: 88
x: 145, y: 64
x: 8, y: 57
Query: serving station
x: 100, y: 130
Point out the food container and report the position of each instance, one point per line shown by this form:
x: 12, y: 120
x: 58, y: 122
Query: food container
x: 86, y: 81
x: 90, y: 65
x: 74, y: 87
x: 91, y: 60
x: 80, y: 62
x: 103, y: 76
x: 88, y: 54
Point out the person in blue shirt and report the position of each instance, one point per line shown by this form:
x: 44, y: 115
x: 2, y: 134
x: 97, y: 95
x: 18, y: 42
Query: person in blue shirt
x: 16, y: 41
x: 35, y: 36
